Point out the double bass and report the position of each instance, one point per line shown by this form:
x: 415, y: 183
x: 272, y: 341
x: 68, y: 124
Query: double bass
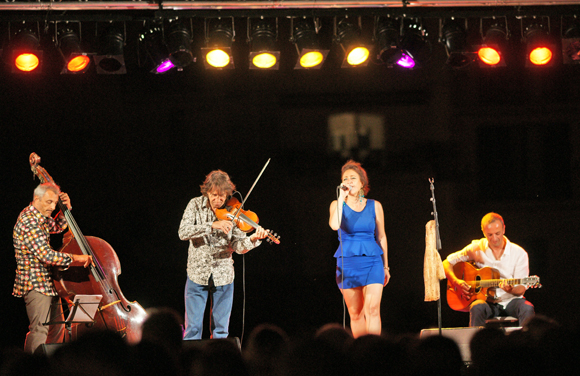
x: 115, y: 312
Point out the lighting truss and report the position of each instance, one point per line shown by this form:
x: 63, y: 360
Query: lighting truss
x: 400, y: 29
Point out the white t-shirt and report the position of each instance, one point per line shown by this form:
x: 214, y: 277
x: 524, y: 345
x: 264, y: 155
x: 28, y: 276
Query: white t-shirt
x: 513, y: 263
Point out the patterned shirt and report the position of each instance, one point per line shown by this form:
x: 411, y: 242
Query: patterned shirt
x: 31, y: 238
x: 210, y: 250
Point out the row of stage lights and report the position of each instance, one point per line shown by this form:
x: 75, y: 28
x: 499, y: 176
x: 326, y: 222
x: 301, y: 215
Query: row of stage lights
x: 397, y: 42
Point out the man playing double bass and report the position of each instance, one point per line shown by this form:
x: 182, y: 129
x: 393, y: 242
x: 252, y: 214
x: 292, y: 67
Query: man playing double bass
x: 34, y: 256
x: 497, y: 252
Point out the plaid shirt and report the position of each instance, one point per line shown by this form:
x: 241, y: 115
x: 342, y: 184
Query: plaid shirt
x: 210, y: 250
x: 33, y: 253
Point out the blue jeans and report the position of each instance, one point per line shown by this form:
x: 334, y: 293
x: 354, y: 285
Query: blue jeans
x: 221, y: 308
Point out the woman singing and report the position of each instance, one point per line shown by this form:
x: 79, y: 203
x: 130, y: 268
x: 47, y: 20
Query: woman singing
x: 362, y: 267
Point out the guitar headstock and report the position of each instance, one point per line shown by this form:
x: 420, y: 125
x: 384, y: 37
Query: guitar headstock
x: 532, y: 282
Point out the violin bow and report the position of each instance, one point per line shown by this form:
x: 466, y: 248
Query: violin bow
x: 250, y: 191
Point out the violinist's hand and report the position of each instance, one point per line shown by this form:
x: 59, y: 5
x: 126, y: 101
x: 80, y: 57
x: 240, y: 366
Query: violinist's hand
x: 259, y: 234
x: 82, y: 260
x: 225, y: 226
x: 65, y: 200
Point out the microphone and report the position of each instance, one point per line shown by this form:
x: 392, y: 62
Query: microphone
x: 344, y: 187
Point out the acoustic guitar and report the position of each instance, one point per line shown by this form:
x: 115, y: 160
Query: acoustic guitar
x: 483, y: 283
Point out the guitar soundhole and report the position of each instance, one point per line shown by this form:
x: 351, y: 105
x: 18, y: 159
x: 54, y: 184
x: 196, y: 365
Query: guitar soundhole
x: 477, y: 286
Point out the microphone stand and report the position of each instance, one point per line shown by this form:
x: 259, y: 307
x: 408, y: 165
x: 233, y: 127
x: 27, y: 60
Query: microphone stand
x: 437, y: 244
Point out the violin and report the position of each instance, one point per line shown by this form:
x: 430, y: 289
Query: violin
x: 245, y: 220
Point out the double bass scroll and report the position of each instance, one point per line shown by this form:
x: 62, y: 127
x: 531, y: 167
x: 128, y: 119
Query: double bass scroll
x: 115, y: 312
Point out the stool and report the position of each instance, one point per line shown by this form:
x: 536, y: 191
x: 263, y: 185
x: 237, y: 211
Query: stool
x: 502, y: 322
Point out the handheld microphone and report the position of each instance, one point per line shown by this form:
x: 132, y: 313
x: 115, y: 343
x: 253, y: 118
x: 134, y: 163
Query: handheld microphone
x: 344, y: 187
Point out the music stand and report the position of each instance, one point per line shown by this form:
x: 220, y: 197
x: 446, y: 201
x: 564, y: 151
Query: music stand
x: 83, y: 310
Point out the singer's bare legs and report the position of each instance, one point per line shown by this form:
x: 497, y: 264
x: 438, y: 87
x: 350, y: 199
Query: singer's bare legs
x: 364, y: 307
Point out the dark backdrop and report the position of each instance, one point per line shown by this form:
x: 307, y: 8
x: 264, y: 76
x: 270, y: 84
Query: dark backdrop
x: 132, y: 150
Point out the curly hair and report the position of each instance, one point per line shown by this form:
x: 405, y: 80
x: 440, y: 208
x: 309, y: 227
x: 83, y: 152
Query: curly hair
x: 218, y: 180
x: 362, y: 173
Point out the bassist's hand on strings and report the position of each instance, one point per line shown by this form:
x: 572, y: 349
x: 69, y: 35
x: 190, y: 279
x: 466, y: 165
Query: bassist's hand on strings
x: 65, y: 200
x: 82, y: 260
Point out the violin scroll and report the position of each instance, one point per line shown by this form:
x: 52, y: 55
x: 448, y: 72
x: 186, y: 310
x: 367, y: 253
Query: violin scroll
x: 273, y: 237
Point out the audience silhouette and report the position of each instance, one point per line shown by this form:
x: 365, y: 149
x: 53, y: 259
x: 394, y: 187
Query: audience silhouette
x: 540, y: 347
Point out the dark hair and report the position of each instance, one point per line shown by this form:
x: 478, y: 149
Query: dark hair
x: 356, y: 167
x: 218, y: 180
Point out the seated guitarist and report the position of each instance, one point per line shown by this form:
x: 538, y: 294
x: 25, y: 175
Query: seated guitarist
x: 497, y: 252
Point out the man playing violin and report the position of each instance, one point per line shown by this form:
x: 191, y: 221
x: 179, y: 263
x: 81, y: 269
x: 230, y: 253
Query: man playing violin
x: 497, y: 252
x: 34, y: 256
x: 210, y: 266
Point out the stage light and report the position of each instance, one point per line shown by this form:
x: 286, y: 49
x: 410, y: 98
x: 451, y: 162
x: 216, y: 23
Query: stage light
x: 539, y: 47
x: 179, y: 45
x: 356, y: 54
x: 454, y: 36
x: 26, y: 56
x: 494, y: 42
x: 388, y: 38
x: 571, y: 44
x: 219, y: 38
x: 306, y: 40
x: 156, y: 51
x: 110, y: 59
x: 152, y: 44
x: 414, y: 44
x: 75, y: 59
x: 262, y: 37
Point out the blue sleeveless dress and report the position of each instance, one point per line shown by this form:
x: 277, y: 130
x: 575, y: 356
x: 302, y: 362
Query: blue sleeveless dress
x: 358, y: 261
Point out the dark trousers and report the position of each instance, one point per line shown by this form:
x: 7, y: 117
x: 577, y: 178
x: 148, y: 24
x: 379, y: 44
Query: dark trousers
x: 518, y: 307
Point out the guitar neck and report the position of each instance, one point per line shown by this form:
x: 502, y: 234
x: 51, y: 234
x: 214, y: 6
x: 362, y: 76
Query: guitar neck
x: 496, y: 282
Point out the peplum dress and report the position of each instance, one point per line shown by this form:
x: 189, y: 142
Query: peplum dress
x: 358, y: 257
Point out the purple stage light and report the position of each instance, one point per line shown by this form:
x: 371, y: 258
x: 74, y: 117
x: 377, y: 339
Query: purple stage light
x: 165, y: 66
x: 406, y: 61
